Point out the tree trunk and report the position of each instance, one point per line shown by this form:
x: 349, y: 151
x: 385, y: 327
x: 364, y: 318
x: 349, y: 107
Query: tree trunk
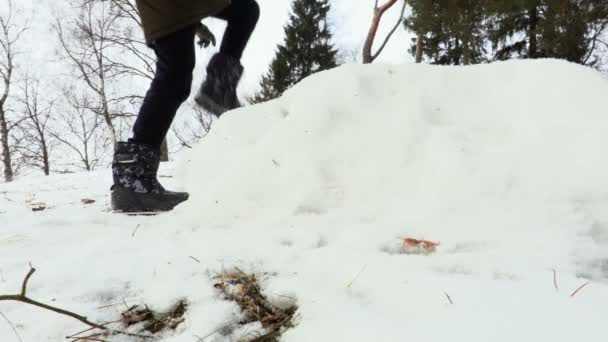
x: 368, y: 56
x: 419, y: 46
x: 164, y: 151
x: 6, y: 153
x: 86, y: 160
x: 533, y: 48
x: 369, y: 41
x: 45, y: 157
x: 456, y: 57
x: 466, y: 52
x: 104, y: 104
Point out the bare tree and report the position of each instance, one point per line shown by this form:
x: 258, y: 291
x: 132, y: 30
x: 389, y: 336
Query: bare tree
x: 349, y: 55
x: 141, y: 61
x: 190, y: 134
x: 10, y: 33
x: 131, y: 40
x: 88, y: 43
x: 37, y: 140
x: 368, y: 56
x: 128, y: 39
x: 603, y: 48
x: 597, y: 44
x: 81, y: 131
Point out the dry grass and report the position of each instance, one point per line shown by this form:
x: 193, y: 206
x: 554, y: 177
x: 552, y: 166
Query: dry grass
x: 152, y: 323
x: 245, y: 290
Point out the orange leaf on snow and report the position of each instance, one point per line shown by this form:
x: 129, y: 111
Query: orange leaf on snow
x: 415, y: 246
x: 87, y: 201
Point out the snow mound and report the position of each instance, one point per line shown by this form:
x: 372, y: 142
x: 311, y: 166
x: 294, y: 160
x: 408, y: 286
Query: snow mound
x: 369, y: 141
x: 503, y: 165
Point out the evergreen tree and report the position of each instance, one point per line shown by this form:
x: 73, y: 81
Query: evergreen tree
x: 565, y: 29
x: 452, y: 31
x: 307, y: 49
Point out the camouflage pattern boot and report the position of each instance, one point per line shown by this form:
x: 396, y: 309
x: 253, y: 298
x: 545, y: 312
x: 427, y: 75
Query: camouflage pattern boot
x: 218, y: 92
x: 136, y: 188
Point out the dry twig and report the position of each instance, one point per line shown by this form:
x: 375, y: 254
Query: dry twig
x: 449, y: 298
x: 22, y: 297
x: 579, y: 288
x: 356, y: 277
x: 555, y: 279
x: 12, y: 327
x: 195, y: 259
x: 135, y: 230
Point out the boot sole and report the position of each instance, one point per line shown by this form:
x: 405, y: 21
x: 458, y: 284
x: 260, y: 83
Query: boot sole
x: 127, y: 201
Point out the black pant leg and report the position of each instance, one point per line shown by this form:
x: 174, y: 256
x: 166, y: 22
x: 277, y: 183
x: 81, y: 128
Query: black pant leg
x: 242, y: 17
x: 175, y: 61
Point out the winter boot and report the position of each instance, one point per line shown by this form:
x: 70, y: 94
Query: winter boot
x: 218, y: 92
x: 136, y: 188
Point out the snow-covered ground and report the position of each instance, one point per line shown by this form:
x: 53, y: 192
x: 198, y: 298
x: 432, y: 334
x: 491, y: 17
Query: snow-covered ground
x: 503, y: 164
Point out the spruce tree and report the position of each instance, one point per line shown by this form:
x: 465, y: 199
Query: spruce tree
x: 565, y: 29
x: 307, y: 49
x: 452, y: 31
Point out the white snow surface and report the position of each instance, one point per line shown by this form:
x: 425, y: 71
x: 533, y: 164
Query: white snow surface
x: 503, y: 164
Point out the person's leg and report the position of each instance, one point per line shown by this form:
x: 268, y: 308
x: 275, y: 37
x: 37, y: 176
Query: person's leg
x: 218, y: 93
x: 170, y: 87
x: 135, y: 163
x: 242, y: 17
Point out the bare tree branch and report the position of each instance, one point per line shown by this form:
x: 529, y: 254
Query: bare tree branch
x: 105, y: 44
x: 81, y: 130
x: 37, y: 146
x: 86, y: 46
x: 390, y: 34
x: 22, y: 297
x: 368, y: 56
x: 10, y: 34
x: 189, y: 133
x: 594, y: 39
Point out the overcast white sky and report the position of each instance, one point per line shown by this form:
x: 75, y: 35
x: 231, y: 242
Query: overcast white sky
x: 350, y: 20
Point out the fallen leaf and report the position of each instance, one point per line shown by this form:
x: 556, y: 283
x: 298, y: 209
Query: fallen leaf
x: 416, y: 246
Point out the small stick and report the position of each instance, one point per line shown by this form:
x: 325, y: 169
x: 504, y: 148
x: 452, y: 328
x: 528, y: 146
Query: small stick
x: 89, y: 329
x: 89, y: 339
x: 195, y: 259
x: 12, y: 327
x: 240, y: 271
x: 200, y: 339
x: 357, y: 276
x: 24, y: 299
x: 27, y: 278
x: 135, y: 230
x: 129, y: 308
x: 450, y: 299
x: 579, y: 288
x: 115, y: 304
x: 555, y: 279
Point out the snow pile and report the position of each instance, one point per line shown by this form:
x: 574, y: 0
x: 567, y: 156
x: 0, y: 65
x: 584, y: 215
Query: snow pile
x: 374, y: 138
x: 502, y: 164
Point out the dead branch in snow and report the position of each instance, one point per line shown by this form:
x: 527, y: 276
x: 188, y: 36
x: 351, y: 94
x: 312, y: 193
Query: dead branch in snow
x: 23, y: 298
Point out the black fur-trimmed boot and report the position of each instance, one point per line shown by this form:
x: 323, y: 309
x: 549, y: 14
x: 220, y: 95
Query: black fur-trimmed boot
x: 136, y: 188
x: 218, y: 92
